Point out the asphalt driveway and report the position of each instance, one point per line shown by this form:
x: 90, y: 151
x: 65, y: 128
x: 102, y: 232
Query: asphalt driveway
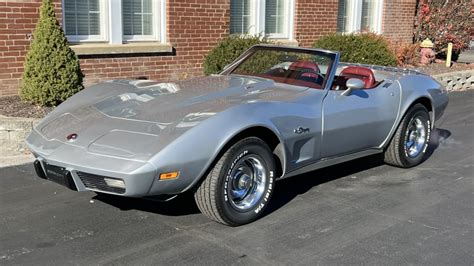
x: 362, y: 212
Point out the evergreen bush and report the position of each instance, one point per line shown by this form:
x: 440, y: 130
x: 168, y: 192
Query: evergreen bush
x: 52, y: 72
x: 363, y: 48
x: 227, y: 50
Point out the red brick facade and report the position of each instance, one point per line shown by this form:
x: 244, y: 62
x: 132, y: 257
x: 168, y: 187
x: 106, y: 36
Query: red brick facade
x: 314, y: 19
x: 193, y: 28
x: 398, y: 18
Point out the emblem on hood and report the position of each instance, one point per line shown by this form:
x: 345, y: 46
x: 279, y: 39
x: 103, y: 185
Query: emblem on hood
x: 71, y: 137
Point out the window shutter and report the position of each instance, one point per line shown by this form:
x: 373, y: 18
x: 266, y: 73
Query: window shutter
x: 274, y: 16
x: 137, y: 17
x: 239, y: 16
x: 82, y: 17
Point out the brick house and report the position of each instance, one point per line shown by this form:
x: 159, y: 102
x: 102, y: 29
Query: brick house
x: 167, y: 39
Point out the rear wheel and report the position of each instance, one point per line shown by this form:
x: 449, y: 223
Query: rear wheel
x: 238, y: 188
x: 410, y: 142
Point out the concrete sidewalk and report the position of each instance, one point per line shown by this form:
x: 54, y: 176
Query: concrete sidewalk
x: 17, y: 159
x: 467, y: 56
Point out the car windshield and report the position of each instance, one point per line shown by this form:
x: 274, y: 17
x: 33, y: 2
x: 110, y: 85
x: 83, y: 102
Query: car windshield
x: 290, y: 66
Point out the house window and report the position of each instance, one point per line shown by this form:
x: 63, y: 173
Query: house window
x: 240, y: 16
x: 114, y: 21
x: 359, y: 15
x: 276, y: 17
x: 343, y: 16
x: 272, y: 18
x: 83, y: 19
x: 139, y: 19
x: 369, y: 17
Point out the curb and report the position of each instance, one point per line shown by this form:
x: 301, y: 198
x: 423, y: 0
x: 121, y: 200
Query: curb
x: 13, y: 131
x: 456, y: 81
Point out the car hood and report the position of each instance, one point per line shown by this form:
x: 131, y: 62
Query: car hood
x: 135, y: 119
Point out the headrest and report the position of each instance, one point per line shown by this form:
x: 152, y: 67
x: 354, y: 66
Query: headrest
x: 363, y: 73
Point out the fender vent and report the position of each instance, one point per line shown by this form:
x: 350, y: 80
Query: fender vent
x: 97, y: 182
x: 386, y: 85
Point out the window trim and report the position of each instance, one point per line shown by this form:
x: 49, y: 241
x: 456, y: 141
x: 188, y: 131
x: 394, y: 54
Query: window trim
x: 355, y: 16
x: 289, y: 8
x: 156, y: 11
x: 253, y: 16
x: 110, y: 15
x: 103, y: 22
x: 257, y: 13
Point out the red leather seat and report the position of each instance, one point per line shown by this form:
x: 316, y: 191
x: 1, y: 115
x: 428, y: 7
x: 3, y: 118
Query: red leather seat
x: 363, y: 73
x: 305, y: 66
x: 309, y: 68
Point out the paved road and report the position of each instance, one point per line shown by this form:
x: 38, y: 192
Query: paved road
x: 362, y: 212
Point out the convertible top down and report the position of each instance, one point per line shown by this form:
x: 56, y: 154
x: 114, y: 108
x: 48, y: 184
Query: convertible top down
x: 274, y: 112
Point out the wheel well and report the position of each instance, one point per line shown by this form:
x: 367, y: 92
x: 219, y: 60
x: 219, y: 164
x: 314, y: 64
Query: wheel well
x: 269, y: 137
x: 427, y: 104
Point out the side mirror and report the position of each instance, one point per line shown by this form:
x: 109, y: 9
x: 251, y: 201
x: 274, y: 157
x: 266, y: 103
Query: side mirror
x: 353, y: 84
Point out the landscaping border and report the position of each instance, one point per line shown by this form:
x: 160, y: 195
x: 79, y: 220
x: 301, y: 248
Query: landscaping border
x: 13, y: 131
x: 456, y: 81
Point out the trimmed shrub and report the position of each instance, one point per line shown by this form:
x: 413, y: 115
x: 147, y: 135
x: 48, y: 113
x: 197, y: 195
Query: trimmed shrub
x: 444, y: 21
x: 52, y: 72
x: 408, y: 54
x: 363, y: 48
x: 227, y: 50
x: 260, y: 62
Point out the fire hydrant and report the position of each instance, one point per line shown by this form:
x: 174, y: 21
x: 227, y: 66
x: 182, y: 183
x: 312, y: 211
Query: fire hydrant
x: 427, y: 55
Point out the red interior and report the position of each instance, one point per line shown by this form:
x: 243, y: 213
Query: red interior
x: 362, y: 73
x: 291, y: 81
x: 307, y: 65
x: 310, y: 70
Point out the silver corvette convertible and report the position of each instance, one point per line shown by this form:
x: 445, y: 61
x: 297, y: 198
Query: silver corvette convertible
x: 273, y: 113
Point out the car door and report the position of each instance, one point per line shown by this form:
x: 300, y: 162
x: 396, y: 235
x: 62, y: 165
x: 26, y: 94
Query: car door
x: 360, y: 120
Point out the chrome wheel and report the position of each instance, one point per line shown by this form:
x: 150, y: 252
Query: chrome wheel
x: 415, y: 137
x: 247, y: 183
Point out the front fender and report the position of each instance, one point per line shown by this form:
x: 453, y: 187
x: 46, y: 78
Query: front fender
x: 193, y: 152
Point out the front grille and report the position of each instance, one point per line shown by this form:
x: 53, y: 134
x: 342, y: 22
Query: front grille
x: 97, y: 182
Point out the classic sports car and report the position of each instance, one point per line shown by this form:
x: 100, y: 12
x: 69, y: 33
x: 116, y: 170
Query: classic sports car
x: 273, y: 113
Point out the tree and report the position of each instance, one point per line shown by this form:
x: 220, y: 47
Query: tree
x: 444, y: 21
x: 52, y: 71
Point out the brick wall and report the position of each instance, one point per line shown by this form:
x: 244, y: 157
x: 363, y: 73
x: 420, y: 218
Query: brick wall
x: 314, y: 19
x: 398, y: 19
x: 17, y: 22
x: 193, y: 28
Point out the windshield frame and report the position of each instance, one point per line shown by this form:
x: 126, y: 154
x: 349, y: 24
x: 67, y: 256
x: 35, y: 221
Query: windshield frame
x: 334, y: 56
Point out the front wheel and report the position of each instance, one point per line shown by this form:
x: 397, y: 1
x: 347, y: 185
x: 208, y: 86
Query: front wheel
x: 410, y: 142
x: 239, y: 186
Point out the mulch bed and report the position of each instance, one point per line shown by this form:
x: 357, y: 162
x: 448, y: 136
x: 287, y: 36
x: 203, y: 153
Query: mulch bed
x: 12, y: 106
x: 440, y: 68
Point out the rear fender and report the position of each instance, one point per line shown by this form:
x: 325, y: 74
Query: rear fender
x: 412, y: 93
